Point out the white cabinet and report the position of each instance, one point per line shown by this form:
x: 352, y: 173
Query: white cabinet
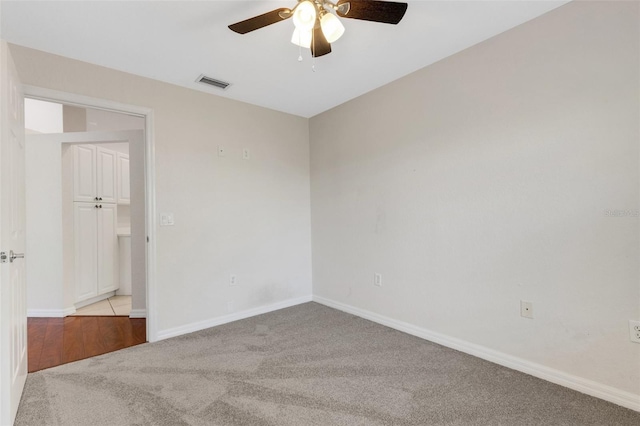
x: 84, y: 173
x: 94, y: 174
x: 107, y: 248
x: 97, y: 188
x: 85, y: 230
x: 106, y: 175
x: 96, y: 249
x: 123, y: 183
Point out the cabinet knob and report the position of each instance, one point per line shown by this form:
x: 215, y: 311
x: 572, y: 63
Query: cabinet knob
x: 100, y: 206
x: 96, y: 206
x: 96, y: 199
x: 100, y: 199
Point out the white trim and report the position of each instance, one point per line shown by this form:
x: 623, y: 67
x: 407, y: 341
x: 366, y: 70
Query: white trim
x: 150, y: 188
x: 73, y: 99
x: 50, y: 313
x: 201, y: 325
x: 90, y: 137
x: 138, y: 313
x: 589, y: 387
x: 150, y: 178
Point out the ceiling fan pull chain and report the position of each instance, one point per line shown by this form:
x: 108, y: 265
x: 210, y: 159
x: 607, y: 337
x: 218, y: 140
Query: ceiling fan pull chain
x: 313, y: 57
x: 299, y: 46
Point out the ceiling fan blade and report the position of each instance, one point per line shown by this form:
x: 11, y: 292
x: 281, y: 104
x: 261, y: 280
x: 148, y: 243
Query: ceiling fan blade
x: 372, y: 10
x: 260, y: 21
x: 319, y: 44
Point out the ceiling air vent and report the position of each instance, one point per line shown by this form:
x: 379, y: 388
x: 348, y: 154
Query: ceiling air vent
x: 213, y: 82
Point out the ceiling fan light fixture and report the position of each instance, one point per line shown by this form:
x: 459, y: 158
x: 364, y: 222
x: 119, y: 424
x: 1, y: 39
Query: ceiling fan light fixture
x: 304, y: 17
x: 301, y: 38
x: 317, y: 22
x: 332, y: 28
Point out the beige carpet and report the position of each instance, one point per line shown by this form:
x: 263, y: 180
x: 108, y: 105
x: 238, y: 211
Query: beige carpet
x: 306, y: 365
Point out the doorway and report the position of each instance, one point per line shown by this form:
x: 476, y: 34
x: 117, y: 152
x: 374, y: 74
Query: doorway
x: 82, y: 260
x: 98, y: 108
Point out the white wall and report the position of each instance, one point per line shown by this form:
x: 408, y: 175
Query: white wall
x: 137, y: 221
x: 100, y: 120
x: 68, y: 284
x: 42, y: 117
x: 232, y: 216
x: 483, y: 180
x: 43, y: 199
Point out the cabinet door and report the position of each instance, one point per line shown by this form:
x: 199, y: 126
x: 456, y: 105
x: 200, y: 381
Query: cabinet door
x: 84, y: 173
x: 107, y: 248
x: 86, y: 256
x: 106, y: 172
x: 124, y: 196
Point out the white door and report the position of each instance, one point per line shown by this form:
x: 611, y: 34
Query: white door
x: 85, y: 231
x: 107, y: 175
x: 13, y: 311
x: 107, y: 248
x: 123, y: 180
x: 84, y: 173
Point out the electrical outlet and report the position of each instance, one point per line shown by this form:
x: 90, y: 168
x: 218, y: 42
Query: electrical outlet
x: 233, y: 280
x: 377, y: 280
x: 245, y: 154
x: 634, y: 331
x: 221, y: 151
x: 526, y: 309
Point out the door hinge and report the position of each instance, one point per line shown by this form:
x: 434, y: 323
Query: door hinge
x: 3, y: 257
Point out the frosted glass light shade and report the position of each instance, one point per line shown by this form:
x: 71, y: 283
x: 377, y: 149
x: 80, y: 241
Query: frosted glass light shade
x: 304, y: 18
x: 332, y: 28
x: 301, y: 38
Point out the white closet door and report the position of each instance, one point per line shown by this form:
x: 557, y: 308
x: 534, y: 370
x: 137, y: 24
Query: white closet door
x: 107, y: 248
x: 86, y: 256
x: 84, y: 173
x: 107, y: 175
x: 124, y: 196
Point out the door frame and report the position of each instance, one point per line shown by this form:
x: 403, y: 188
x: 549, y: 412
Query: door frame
x: 72, y: 99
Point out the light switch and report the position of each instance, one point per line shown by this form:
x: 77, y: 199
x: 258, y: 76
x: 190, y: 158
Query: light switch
x: 166, y: 219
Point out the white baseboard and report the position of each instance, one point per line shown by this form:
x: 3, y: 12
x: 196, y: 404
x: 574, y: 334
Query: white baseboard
x: 50, y: 313
x: 201, y: 325
x: 589, y: 387
x: 138, y: 313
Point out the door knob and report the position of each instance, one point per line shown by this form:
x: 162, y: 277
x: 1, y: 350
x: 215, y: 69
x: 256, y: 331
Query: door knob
x: 13, y: 256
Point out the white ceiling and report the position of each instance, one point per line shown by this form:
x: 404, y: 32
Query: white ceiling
x: 176, y: 41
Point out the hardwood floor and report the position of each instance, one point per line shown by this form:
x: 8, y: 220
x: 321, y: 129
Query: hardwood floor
x: 56, y: 341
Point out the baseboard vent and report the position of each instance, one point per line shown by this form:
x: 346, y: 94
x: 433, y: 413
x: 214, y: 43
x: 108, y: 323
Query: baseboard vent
x: 212, y: 82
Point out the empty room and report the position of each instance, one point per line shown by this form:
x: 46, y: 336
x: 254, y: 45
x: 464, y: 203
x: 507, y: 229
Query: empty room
x: 315, y: 212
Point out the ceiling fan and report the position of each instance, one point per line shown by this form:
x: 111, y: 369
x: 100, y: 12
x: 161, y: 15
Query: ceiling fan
x: 316, y: 27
